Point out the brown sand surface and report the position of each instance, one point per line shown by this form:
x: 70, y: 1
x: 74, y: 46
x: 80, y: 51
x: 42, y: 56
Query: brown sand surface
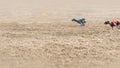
x: 40, y: 34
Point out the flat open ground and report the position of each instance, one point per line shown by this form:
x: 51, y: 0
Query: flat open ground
x: 40, y: 34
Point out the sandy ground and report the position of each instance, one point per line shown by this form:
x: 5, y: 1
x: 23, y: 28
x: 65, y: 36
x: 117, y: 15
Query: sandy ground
x: 40, y: 34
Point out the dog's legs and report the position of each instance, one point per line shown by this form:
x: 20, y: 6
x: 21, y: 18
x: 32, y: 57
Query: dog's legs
x: 118, y: 26
x: 112, y: 27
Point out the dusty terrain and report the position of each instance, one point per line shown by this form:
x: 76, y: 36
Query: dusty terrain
x: 40, y: 34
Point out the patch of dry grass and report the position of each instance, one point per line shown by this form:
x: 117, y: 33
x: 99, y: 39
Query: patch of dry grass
x: 58, y: 45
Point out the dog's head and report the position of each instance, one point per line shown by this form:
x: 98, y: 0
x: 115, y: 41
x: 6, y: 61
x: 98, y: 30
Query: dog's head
x: 107, y: 22
x: 73, y: 19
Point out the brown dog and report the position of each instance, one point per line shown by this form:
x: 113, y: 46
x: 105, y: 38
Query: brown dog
x: 113, y: 23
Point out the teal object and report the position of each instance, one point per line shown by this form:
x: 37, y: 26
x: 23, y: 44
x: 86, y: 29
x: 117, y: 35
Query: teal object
x: 81, y: 21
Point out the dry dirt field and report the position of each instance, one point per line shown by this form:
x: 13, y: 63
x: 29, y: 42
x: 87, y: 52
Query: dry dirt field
x: 40, y: 34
